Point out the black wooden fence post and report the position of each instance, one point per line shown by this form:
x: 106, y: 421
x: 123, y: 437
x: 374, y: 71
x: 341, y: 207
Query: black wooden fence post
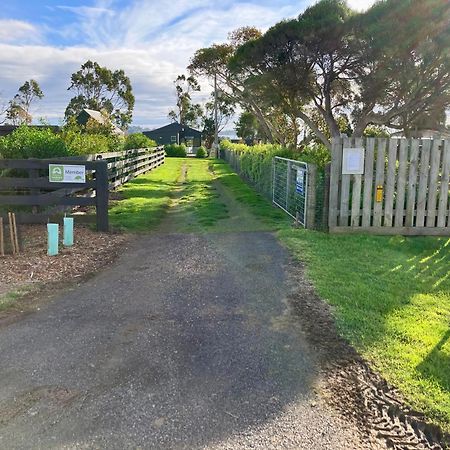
x: 102, y: 195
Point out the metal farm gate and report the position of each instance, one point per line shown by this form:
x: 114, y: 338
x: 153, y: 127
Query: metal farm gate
x: 290, y: 188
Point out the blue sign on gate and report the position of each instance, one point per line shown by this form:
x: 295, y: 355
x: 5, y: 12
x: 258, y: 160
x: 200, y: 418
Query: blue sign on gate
x: 300, y: 183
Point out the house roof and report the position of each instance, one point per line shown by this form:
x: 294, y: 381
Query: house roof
x: 97, y: 115
x: 102, y: 119
x: 174, y: 126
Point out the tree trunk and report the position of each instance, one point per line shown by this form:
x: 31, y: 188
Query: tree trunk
x: 315, y: 129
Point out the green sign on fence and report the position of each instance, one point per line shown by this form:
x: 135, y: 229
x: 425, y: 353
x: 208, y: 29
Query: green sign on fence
x: 63, y: 173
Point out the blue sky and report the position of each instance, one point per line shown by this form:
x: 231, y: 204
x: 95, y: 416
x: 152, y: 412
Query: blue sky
x: 152, y: 41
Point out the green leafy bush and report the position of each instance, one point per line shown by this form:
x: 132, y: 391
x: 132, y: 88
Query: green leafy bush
x: 255, y: 162
x: 138, y: 140
x: 201, y: 152
x: 28, y: 142
x: 85, y: 144
x: 174, y: 150
x: 81, y: 140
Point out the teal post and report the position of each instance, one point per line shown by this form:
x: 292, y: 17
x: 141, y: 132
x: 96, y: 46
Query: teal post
x: 68, y: 232
x: 53, y: 232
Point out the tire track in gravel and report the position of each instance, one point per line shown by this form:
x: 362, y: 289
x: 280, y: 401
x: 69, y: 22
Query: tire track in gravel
x: 352, y: 387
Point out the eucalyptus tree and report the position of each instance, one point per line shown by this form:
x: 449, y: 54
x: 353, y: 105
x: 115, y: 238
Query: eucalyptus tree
x: 406, y: 79
x: 225, y: 111
x: 213, y: 63
x: 102, y: 89
x: 18, y: 110
x: 186, y: 112
x: 386, y: 67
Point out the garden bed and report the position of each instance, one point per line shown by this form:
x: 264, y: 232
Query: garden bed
x: 32, y: 270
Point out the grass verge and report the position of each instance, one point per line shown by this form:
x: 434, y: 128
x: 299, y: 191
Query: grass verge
x: 9, y: 299
x: 272, y: 217
x: 146, y: 198
x: 391, y: 299
x: 203, y: 195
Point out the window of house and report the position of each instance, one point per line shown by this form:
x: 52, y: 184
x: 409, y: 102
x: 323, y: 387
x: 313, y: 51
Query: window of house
x: 173, y: 139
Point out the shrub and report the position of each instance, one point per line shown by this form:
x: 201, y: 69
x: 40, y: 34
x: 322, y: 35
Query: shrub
x: 201, y: 152
x: 255, y: 161
x: 28, y: 142
x: 138, y: 140
x: 174, y: 150
x: 85, y: 144
x: 80, y: 141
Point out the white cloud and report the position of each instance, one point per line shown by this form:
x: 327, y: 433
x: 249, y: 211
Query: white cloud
x: 360, y: 5
x: 17, y: 31
x: 152, y: 49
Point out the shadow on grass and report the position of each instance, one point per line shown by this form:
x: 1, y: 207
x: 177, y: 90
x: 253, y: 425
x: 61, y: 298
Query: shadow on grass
x: 391, y: 298
x: 437, y: 364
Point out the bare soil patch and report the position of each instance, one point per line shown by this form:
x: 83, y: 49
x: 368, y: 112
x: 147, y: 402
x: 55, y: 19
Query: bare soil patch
x: 352, y: 387
x: 32, y: 270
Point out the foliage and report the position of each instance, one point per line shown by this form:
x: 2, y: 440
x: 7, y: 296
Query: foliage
x: 376, y: 131
x: 225, y: 110
x: 175, y: 151
x: 138, y: 140
x: 201, y: 152
x: 85, y: 144
x: 247, y: 126
x: 18, y: 111
x: 256, y: 160
x: 88, y: 139
x: 101, y: 89
x: 29, y: 142
x: 390, y: 297
x: 388, y: 67
x: 187, y: 113
x: 214, y: 62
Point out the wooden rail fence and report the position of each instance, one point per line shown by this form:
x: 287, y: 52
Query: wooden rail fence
x: 403, y: 187
x: 124, y: 166
x: 26, y: 185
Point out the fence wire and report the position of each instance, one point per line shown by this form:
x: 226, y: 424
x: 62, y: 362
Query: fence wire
x: 273, y: 179
x: 290, y: 187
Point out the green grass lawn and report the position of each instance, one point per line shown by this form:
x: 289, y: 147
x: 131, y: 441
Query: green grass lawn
x: 146, y: 198
x: 183, y: 184
x: 391, y: 298
x: 200, y: 195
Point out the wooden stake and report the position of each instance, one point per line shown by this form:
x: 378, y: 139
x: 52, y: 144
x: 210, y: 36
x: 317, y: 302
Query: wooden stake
x: 16, y: 238
x: 11, y: 233
x: 2, y: 242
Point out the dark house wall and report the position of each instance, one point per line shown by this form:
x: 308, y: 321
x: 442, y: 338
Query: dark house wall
x: 175, y: 134
x: 83, y: 118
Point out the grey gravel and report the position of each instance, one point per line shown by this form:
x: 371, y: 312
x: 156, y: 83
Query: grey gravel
x: 185, y: 342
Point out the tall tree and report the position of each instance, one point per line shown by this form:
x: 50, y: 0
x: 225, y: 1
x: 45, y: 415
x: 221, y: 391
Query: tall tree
x: 406, y: 81
x: 101, y: 89
x: 186, y: 112
x: 388, y: 66
x: 18, y: 111
x: 247, y: 126
x: 225, y: 111
x: 213, y: 62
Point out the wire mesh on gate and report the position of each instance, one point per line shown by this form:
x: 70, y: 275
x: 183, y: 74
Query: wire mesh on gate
x: 290, y: 187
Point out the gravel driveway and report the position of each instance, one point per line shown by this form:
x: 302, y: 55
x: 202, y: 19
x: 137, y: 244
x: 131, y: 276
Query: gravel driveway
x: 185, y: 342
